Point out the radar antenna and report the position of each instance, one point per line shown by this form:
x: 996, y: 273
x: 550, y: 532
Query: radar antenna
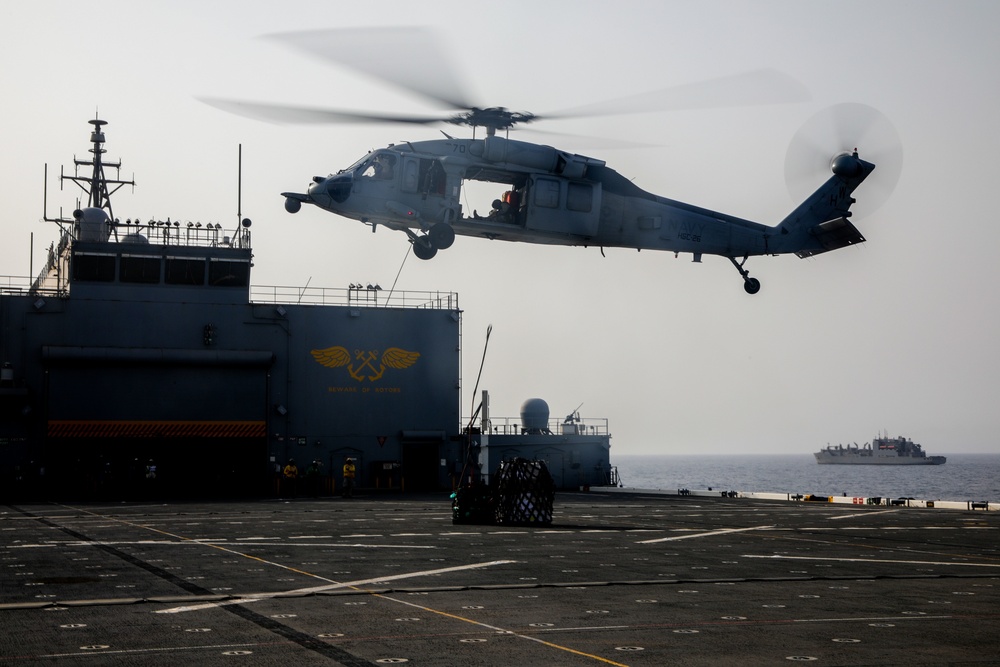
x: 97, y: 185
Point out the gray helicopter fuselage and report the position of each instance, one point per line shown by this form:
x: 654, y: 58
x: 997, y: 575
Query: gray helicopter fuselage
x: 549, y: 196
x: 561, y: 198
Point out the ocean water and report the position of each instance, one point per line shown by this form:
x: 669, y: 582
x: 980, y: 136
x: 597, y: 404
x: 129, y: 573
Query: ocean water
x: 964, y: 477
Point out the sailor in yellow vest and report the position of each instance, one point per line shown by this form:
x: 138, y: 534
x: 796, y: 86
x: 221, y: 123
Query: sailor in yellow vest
x: 349, y: 472
x: 290, y: 477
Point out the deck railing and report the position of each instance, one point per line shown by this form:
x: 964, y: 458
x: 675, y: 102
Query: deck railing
x: 358, y: 295
x: 514, y: 426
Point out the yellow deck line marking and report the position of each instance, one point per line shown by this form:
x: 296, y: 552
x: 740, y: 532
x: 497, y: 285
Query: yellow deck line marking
x: 356, y: 584
x: 501, y: 630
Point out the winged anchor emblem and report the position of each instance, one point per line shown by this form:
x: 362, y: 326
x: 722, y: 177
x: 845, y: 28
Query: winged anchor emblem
x: 365, y: 363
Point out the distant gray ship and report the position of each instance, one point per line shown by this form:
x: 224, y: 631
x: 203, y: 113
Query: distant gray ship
x: 881, y: 451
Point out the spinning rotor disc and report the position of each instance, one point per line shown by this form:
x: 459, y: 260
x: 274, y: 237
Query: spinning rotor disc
x: 427, y: 72
x: 839, y: 129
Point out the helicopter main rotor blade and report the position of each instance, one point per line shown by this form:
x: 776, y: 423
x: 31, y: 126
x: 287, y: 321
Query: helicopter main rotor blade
x: 278, y: 113
x: 583, y: 142
x: 842, y: 128
x: 753, y: 88
x: 410, y: 58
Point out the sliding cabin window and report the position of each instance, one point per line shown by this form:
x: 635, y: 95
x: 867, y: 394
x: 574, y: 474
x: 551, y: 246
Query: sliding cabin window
x: 580, y: 197
x: 547, y: 193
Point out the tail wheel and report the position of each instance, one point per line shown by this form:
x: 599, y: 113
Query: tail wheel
x: 441, y: 236
x: 751, y: 285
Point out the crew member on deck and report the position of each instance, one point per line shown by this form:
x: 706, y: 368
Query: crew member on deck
x: 290, y: 477
x: 349, y: 472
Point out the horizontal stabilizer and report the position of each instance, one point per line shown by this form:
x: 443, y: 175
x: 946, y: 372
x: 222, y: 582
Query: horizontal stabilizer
x: 833, y: 235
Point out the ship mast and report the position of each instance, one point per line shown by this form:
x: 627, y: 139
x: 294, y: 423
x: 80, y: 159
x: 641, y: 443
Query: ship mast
x: 97, y: 185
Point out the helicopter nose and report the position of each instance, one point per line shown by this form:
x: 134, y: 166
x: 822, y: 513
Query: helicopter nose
x: 317, y: 192
x: 334, y: 189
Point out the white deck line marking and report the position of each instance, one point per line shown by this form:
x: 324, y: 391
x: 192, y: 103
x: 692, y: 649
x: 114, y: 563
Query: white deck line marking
x: 870, y: 619
x: 255, y: 597
x: 142, y: 651
x: 350, y: 545
x: 871, y: 560
x: 722, y: 531
x: 855, y: 515
x: 213, y: 542
x: 593, y: 627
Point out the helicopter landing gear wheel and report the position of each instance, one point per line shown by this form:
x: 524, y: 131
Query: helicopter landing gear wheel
x: 441, y: 236
x: 423, y: 248
x: 751, y: 285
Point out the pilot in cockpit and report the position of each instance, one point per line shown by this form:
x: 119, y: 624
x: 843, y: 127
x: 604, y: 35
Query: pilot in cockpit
x: 379, y: 167
x: 383, y: 166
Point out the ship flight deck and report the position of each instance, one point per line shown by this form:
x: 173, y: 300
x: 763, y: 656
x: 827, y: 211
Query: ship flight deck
x: 617, y: 579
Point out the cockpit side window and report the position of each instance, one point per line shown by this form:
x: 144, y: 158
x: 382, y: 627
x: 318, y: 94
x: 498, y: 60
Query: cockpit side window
x: 380, y: 166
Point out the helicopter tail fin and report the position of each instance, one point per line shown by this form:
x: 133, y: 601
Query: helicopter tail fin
x: 820, y: 223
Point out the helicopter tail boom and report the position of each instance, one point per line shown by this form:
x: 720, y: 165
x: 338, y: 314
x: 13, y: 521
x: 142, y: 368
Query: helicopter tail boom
x: 820, y: 223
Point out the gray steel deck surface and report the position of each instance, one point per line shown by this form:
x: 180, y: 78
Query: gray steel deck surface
x: 616, y: 580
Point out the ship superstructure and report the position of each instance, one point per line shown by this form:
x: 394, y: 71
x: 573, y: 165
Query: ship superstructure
x: 142, y: 344
x: 576, y: 451
x: 883, y: 450
x: 141, y: 361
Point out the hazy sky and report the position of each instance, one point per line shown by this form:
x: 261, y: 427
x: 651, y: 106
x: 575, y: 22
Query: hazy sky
x: 899, y: 334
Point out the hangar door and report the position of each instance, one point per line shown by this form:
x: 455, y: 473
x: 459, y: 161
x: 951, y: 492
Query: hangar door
x: 200, y: 419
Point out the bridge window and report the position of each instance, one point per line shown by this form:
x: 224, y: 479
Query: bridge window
x: 94, y: 267
x: 139, y: 269
x: 185, y: 271
x: 227, y: 273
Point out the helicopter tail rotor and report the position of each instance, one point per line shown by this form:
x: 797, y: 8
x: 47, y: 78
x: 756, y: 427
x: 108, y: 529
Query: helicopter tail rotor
x: 827, y: 142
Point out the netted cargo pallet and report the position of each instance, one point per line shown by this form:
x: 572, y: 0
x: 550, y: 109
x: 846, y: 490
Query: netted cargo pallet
x: 472, y: 503
x: 523, y: 493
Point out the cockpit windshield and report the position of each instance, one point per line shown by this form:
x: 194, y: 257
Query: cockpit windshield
x: 354, y: 168
x: 377, y: 165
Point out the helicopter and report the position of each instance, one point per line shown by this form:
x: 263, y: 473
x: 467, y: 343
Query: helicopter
x: 547, y: 195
